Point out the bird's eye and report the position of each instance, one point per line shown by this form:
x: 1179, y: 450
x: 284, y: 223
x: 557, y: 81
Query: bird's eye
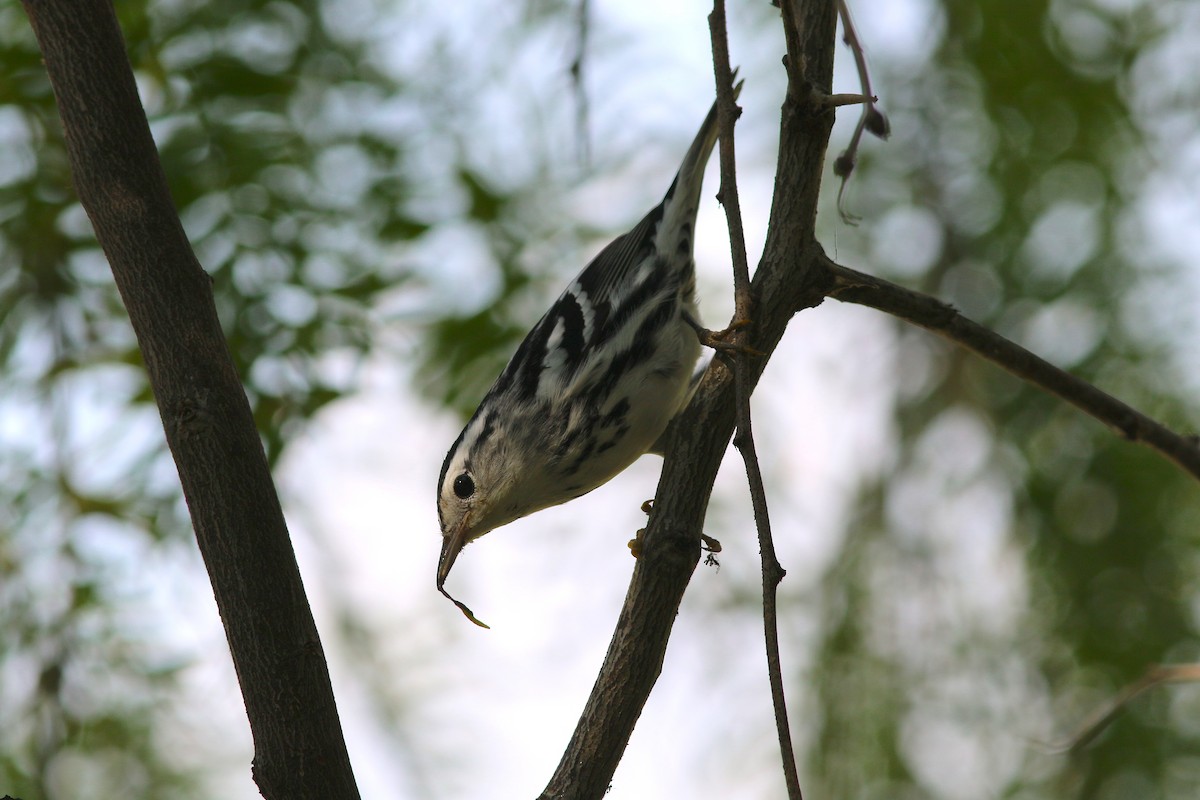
x: 464, y: 487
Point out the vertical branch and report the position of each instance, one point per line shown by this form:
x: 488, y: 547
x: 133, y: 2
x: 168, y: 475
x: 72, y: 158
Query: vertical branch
x: 727, y: 194
x: 299, y: 751
x: 772, y: 571
x: 795, y: 47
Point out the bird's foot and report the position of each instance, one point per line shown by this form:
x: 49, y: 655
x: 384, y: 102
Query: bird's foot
x: 707, y: 543
x: 635, y: 544
x: 720, y: 340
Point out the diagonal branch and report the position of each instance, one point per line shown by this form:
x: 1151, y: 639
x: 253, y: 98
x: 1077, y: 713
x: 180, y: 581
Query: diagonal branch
x: 299, y: 751
x: 772, y: 571
x: 855, y: 287
x: 1102, y: 717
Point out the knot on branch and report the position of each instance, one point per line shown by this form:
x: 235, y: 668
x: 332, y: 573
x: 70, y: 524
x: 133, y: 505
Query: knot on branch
x: 1129, y: 427
x: 807, y: 100
x: 944, y: 314
x: 191, y: 417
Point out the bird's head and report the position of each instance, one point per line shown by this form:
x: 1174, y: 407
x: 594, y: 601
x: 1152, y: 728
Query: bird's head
x: 479, y: 489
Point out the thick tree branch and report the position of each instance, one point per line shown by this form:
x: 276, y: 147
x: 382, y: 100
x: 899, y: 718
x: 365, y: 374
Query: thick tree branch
x: 856, y: 287
x: 772, y: 570
x: 298, y: 744
x: 671, y: 544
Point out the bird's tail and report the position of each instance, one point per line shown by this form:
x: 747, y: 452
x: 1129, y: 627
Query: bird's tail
x: 683, y: 198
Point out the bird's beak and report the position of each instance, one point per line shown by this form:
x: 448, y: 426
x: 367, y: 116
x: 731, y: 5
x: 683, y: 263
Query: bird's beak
x: 452, y: 545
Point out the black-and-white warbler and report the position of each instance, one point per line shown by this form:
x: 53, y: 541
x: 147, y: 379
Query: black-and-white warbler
x: 593, y: 385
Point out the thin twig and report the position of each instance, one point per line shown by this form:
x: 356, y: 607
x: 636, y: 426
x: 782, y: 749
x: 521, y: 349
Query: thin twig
x: 772, y: 572
x: 872, y: 119
x: 727, y: 114
x: 795, y: 48
x: 582, y: 139
x: 850, y: 36
x: 839, y: 100
x: 1102, y: 717
x: 856, y: 287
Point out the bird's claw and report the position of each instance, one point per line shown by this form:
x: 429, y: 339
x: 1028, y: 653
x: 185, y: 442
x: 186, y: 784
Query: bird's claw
x: 712, y: 547
x: 720, y: 340
x: 635, y: 544
x: 707, y: 543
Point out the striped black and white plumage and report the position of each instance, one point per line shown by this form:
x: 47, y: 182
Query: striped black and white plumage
x: 594, y: 384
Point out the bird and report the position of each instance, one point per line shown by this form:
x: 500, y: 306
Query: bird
x: 594, y: 383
